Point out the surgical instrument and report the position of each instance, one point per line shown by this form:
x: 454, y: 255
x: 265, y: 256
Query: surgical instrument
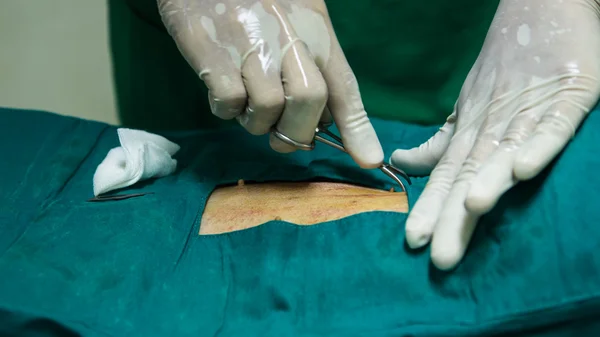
x: 336, y: 142
x: 117, y: 197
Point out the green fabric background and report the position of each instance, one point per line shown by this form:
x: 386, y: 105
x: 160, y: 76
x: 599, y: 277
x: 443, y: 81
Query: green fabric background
x: 138, y: 268
x: 410, y: 59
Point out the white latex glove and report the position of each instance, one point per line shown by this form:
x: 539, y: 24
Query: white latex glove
x: 535, y: 80
x: 273, y: 62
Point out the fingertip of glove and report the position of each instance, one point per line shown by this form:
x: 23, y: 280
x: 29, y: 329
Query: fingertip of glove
x: 525, y: 168
x: 396, y: 155
x: 417, y: 239
x: 418, y: 231
x: 445, y: 259
x: 479, y: 200
x: 369, y: 158
x: 446, y: 250
x: 402, y: 159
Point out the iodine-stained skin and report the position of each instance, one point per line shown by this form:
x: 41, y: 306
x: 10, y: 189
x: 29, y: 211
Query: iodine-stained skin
x: 244, y: 206
x: 273, y: 63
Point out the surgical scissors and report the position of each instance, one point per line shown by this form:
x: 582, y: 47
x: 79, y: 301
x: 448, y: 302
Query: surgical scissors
x: 336, y: 142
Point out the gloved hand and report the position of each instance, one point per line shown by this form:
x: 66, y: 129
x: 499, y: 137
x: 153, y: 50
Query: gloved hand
x: 535, y: 80
x: 273, y: 62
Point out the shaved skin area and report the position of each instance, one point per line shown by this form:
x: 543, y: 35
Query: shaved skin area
x: 247, y: 205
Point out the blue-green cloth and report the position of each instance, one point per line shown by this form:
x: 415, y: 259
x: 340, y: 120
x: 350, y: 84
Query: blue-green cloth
x: 137, y: 267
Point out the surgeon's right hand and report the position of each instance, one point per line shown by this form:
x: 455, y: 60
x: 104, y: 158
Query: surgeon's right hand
x: 273, y: 63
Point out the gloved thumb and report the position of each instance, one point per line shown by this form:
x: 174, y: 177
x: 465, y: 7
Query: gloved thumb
x: 422, y: 160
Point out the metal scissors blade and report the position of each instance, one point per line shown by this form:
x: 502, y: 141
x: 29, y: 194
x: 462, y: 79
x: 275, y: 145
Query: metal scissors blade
x: 336, y: 142
x: 116, y: 197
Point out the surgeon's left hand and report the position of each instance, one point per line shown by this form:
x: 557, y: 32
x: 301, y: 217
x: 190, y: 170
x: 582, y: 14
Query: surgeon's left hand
x: 536, y: 79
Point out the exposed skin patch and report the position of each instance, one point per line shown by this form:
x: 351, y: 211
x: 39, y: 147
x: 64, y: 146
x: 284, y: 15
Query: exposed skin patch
x: 243, y: 206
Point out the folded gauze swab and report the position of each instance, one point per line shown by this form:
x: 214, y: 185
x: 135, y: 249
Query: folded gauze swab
x: 141, y: 156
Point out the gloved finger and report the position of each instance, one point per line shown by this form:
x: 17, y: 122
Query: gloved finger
x: 215, y: 65
x: 456, y: 224
x: 453, y: 230
x: 424, y: 216
x: 262, y: 79
x: 421, y: 160
x: 495, y: 176
x: 493, y: 180
x: 551, y: 135
x: 347, y: 109
x: 305, y: 98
